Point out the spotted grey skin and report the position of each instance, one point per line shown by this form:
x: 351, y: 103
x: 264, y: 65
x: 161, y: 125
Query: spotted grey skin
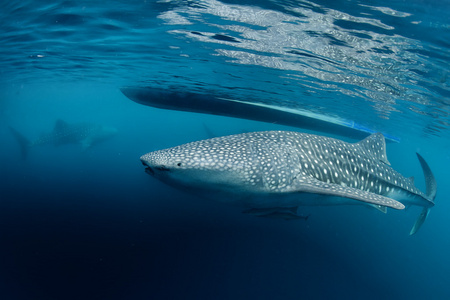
x: 86, y: 134
x: 286, y: 169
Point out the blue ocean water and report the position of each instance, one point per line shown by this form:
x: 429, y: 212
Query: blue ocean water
x: 90, y: 224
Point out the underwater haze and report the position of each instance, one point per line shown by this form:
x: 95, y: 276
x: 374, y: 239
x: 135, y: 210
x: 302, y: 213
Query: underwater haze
x: 80, y: 218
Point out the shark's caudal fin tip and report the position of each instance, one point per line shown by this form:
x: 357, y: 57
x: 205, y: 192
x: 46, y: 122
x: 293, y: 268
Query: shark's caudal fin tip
x: 430, y: 181
x: 24, y: 143
x: 431, y: 186
x: 420, y: 220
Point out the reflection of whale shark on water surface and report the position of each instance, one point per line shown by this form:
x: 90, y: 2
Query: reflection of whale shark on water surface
x: 268, y: 172
x: 209, y: 102
x: 86, y: 134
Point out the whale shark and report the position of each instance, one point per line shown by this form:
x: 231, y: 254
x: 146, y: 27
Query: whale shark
x: 86, y: 134
x: 276, y: 170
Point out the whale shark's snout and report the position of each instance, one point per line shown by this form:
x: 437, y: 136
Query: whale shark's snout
x: 148, y: 166
x: 155, y: 163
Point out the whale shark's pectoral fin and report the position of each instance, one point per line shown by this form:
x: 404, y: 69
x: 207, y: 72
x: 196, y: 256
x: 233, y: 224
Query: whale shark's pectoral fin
x: 86, y: 144
x: 314, y: 186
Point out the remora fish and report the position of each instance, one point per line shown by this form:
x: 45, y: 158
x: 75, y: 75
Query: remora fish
x: 276, y: 169
x: 289, y: 213
x: 86, y: 134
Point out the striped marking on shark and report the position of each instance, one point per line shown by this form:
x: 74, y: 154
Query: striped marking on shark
x: 282, y: 169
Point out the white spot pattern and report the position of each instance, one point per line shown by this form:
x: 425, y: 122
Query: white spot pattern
x: 277, y: 160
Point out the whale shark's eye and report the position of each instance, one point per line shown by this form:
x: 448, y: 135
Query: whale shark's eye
x: 179, y: 164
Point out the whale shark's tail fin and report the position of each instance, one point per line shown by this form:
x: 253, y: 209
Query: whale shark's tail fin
x: 431, y: 186
x: 24, y: 143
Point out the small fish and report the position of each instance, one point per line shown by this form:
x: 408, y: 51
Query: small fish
x: 285, y: 213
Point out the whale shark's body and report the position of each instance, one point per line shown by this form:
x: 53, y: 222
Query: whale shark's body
x: 86, y: 134
x: 282, y: 169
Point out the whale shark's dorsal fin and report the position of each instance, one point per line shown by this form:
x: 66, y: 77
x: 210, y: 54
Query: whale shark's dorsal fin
x: 60, y: 125
x: 375, y: 146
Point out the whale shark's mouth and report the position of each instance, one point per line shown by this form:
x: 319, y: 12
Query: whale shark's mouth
x: 151, y: 170
x: 148, y: 169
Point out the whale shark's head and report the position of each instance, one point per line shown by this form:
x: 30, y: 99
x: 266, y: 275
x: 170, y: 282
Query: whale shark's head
x: 208, y: 165
x: 96, y: 134
x: 106, y: 132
